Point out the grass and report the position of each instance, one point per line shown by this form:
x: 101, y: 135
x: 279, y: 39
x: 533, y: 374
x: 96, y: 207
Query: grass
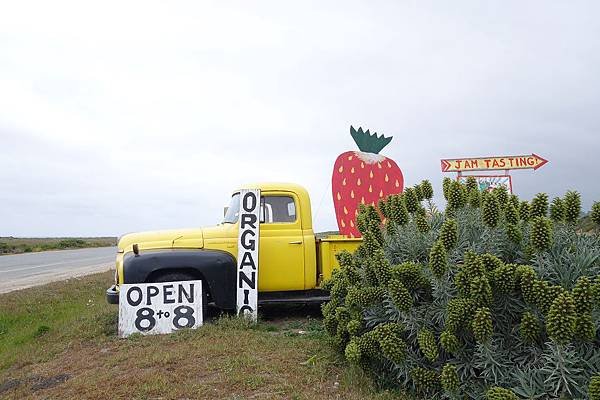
x: 12, y: 245
x: 59, y: 341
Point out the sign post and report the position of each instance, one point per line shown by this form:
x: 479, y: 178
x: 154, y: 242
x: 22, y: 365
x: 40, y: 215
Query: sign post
x: 247, y: 264
x: 156, y: 308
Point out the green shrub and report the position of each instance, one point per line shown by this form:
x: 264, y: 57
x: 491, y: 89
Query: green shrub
x: 502, y: 295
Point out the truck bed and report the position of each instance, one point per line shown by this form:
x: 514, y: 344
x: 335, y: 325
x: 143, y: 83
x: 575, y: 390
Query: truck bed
x: 327, y: 248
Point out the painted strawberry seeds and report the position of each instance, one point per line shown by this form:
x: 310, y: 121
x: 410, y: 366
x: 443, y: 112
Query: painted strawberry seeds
x: 363, y: 176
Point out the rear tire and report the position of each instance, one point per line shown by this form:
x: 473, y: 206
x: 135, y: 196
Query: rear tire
x: 179, y: 276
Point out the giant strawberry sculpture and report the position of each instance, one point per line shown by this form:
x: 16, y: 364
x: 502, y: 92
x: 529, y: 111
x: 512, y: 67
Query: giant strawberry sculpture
x: 363, y: 176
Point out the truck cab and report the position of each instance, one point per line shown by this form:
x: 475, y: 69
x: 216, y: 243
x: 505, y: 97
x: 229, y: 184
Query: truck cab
x: 292, y: 261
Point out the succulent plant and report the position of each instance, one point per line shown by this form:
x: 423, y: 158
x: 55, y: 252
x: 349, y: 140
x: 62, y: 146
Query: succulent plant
x: 498, y: 393
x: 572, y: 203
x: 471, y: 184
x: 511, y: 214
x: 514, y: 233
x: 557, y: 210
x: 541, y: 233
x: 446, y: 182
x: 449, y: 342
x: 583, y: 295
x: 530, y: 328
x: 491, y: 211
x: 422, y: 224
x: 449, y: 233
x: 524, y: 211
x: 438, y: 259
x: 596, y: 213
x: 426, y: 189
x: 412, y: 202
x: 393, y: 347
x: 400, y: 295
x: 594, y: 387
x: 449, y: 379
x: 482, y: 325
x: 560, y: 322
x: 585, y: 330
x: 502, y: 195
x: 427, y: 344
x: 426, y: 380
x: 468, y: 306
x: 539, y: 205
x: 474, y: 198
x: 352, y: 352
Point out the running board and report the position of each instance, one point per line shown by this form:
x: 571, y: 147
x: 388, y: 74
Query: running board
x: 294, y: 300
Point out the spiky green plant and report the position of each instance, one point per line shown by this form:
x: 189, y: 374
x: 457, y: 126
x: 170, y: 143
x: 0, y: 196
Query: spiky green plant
x: 557, y: 210
x: 539, y: 205
x: 400, y: 295
x: 541, y: 233
x: 398, y: 210
x: 491, y: 211
x: 438, y: 259
x: 524, y: 211
x: 427, y: 189
x: 482, y: 325
x: 474, y: 198
x: 594, y: 387
x: 572, y: 206
x: 449, y: 233
x: 412, y: 202
x: 427, y: 344
x: 449, y: 379
x: 502, y: 195
x: 561, y: 318
x: 456, y: 196
x: 422, y: 224
x: 446, y: 182
x: 499, y: 393
x: 595, y: 214
x: 519, y: 313
x: 471, y: 184
x: 512, y: 214
x: 530, y: 328
x: 449, y: 342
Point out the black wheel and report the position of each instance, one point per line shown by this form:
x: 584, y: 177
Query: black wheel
x: 180, y: 276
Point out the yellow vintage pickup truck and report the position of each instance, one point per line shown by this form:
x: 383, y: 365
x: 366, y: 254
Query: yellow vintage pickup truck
x: 292, y: 261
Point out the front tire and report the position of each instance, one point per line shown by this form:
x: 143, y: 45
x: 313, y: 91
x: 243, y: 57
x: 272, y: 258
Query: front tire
x: 179, y: 276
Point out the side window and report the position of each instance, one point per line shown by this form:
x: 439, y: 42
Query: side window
x: 278, y: 209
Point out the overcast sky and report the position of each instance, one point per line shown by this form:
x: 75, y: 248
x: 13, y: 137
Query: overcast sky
x: 125, y: 116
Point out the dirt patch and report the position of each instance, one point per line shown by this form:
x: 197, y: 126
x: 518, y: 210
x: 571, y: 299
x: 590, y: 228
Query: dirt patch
x: 41, y: 382
x: 9, y: 385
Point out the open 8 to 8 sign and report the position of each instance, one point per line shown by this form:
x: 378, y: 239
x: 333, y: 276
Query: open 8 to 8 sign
x: 152, y: 308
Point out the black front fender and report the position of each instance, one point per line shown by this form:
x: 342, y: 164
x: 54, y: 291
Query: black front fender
x: 216, y: 269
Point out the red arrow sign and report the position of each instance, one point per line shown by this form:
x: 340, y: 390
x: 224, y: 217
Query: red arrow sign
x: 532, y: 161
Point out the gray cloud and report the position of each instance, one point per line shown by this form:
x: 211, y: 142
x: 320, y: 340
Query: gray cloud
x: 117, y: 117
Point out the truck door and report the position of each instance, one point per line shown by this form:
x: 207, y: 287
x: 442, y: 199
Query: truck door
x: 281, y: 249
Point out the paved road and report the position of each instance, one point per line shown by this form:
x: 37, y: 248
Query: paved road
x: 30, y: 269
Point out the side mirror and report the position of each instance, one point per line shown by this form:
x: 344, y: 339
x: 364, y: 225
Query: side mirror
x: 225, y: 209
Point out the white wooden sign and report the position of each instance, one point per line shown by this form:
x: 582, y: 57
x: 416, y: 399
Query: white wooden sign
x: 247, y: 276
x: 153, y: 308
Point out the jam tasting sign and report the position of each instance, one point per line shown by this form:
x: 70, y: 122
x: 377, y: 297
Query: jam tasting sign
x: 247, y: 261
x: 153, y: 308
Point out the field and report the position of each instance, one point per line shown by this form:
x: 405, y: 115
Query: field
x: 58, y: 341
x: 12, y: 245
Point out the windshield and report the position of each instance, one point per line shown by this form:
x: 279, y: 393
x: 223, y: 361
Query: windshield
x: 233, y: 211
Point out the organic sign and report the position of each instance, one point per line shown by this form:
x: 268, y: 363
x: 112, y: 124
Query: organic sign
x: 363, y: 176
x: 486, y: 183
x: 532, y: 161
x: 247, y: 272
x: 152, y: 308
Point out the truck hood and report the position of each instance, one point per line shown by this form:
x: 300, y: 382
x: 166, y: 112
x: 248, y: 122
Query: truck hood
x: 165, y: 239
